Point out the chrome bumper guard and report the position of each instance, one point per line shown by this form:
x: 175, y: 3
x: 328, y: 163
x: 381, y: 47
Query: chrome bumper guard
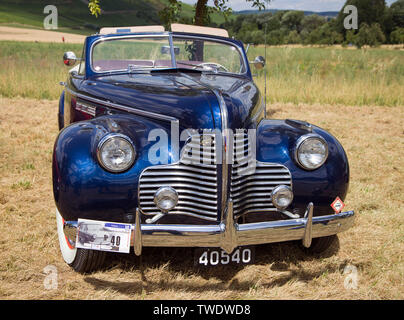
x: 228, y: 235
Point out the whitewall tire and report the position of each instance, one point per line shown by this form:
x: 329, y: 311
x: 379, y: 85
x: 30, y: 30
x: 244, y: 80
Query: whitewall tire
x: 81, y: 260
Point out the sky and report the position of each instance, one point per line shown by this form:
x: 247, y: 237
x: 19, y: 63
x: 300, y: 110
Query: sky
x: 308, y: 5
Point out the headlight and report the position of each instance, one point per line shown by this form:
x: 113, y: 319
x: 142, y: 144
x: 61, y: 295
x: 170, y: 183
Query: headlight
x: 116, y: 152
x: 166, y: 198
x: 311, y: 152
x: 282, y: 197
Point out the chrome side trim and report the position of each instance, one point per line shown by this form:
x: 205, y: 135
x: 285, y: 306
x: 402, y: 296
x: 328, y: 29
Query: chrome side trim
x: 120, y: 107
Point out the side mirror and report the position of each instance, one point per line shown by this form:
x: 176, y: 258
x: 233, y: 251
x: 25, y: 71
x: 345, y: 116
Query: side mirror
x: 69, y: 58
x: 259, y: 62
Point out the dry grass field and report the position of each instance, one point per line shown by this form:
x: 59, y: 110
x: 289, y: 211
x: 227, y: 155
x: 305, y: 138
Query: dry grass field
x: 24, y: 34
x: 374, y: 140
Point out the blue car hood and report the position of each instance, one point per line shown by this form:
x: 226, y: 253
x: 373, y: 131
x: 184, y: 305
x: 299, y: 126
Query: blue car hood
x: 189, y: 97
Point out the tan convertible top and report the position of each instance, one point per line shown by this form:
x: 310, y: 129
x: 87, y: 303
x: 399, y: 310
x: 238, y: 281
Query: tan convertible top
x: 109, y: 30
x: 175, y: 27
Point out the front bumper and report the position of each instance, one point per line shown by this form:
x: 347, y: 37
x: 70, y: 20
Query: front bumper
x: 228, y: 235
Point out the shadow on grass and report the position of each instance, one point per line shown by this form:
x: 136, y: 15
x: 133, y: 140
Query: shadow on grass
x: 284, y: 258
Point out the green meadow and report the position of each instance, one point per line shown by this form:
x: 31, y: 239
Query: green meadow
x: 329, y: 75
x: 333, y: 75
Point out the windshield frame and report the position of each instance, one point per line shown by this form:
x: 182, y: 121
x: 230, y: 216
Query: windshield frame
x: 170, y: 36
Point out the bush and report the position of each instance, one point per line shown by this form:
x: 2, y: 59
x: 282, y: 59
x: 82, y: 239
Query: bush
x: 369, y: 35
x: 397, y: 36
x: 293, y: 37
x: 324, y: 35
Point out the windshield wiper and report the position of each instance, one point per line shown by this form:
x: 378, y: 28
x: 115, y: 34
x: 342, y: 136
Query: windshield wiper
x: 175, y: 70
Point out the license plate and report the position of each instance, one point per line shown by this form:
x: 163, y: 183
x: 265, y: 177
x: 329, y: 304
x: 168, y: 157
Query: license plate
x: 214, y: 257
x: 103, y: 236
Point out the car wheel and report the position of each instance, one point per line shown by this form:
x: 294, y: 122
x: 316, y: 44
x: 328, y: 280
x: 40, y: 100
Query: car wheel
x: 320, y: 245
x: 81, y: 260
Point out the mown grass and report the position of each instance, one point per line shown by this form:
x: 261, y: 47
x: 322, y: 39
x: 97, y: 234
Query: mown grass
x: 373, y: 140
x: 297, y: 75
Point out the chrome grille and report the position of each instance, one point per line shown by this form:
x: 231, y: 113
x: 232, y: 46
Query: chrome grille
x: 252, y: 181
x: 194, y: 177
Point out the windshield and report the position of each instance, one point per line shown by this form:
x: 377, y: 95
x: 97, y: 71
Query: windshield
x: 147, y: 53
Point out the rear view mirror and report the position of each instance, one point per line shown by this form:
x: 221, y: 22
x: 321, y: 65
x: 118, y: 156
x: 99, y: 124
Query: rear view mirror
x: 166, y: 50
x: 259, y: 62
x: 69, y: 59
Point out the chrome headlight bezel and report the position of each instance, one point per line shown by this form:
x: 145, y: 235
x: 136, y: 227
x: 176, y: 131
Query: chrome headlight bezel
x: 304, y: 139
x: 274, y: 196
x: 165, y: 193
x: 103, y: 142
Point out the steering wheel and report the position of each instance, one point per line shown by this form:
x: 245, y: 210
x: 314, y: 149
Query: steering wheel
x: 210, y: 64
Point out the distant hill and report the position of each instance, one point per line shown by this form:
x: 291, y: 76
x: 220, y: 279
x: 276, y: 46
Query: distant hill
x: 74, y: 15
x: 331, y: 14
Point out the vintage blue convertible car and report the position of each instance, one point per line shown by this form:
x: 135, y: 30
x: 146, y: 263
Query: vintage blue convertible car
x: 164, y: 142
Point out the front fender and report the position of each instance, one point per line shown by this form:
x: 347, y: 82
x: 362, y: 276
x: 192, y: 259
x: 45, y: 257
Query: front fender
x: 82, y: 188
x: 276, y: 141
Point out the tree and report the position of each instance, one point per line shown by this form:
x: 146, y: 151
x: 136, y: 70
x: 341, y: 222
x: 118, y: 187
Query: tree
x: 292, y: 20
x: 276, y: 37
x: 324, y: 35
x: 202, y: 11
x: 397, y: 36
x: 171, y: 13
x: 369, y: 11
x: 274, y: 22
x: 293, y: 37
x: 397, y: 12
x: 312, y: 22
x: 369, y: 35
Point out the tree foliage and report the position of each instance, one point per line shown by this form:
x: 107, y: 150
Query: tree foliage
x: 369, y: 35
x: 378, y: 23
x: 94, y: 7
x: 397, y: 36
x: 397, y: 12
x: 171, y: 13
